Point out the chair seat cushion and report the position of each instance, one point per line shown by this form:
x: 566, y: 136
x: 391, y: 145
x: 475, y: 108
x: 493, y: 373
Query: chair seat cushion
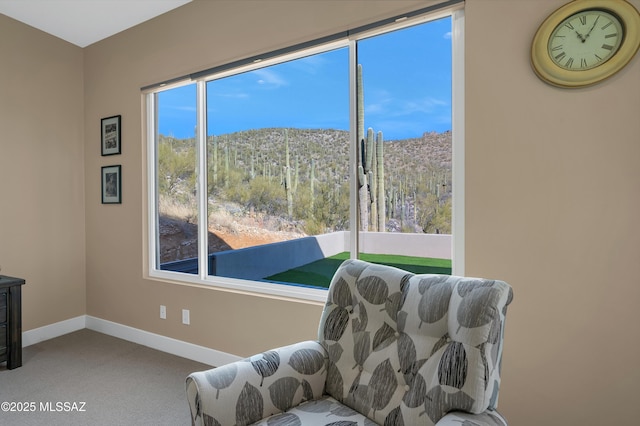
x: 326, y: 411
x: 323, y: 411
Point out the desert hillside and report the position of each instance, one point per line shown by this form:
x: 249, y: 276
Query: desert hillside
x: 261, y: 193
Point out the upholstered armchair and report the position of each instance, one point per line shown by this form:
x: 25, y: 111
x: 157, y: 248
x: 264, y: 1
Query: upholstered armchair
x: 393, y: 348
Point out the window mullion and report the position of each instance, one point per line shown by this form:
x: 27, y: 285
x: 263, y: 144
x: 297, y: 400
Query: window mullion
x: 458, y: 143
x: 201, y: 179
x: 353, y: 151
x: 152, y: 181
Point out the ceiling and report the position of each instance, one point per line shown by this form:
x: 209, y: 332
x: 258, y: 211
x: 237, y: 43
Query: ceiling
x: 84, y: 22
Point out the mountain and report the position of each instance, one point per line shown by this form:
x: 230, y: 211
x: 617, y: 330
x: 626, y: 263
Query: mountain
x: 254, y: 189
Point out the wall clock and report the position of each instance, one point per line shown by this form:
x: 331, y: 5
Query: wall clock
x: 585, y: 42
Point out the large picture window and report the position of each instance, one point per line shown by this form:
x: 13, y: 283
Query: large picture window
x: 266, y: 176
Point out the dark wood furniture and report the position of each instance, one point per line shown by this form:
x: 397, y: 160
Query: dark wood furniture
x: 11, y: 321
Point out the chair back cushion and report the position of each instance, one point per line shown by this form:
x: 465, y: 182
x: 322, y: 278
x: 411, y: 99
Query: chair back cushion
x: 405, y: 349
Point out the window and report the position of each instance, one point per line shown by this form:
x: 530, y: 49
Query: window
x: 265, y: 176
x: 278, y: 165
x: 405, y: 163
x: 175, y: 183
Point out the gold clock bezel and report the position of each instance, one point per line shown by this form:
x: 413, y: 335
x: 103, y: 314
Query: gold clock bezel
x: 551, y: 73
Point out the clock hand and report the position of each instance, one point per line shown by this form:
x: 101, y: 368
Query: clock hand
x: 581, y: 37
x: 592, y: 27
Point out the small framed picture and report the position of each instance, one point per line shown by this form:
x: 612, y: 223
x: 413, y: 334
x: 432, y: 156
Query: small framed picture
x: 112, y: 185
x: 110, y: 131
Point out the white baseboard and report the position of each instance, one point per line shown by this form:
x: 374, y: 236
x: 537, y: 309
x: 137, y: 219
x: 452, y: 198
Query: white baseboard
x: 162, y: 343
x: 50, y: 331
x: 156, y: 341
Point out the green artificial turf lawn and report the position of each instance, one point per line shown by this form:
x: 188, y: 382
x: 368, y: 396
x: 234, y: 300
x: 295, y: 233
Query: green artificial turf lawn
x: 320, y: 272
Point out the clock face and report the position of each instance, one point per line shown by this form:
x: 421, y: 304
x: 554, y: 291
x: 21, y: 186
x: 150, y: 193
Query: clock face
x: 585, y: 40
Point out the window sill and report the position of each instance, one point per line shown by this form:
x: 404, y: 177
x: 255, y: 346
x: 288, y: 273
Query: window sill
x: 292, y: 293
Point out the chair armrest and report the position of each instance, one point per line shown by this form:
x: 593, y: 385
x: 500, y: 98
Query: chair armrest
x: 487, y: 418
x: 249, y: 390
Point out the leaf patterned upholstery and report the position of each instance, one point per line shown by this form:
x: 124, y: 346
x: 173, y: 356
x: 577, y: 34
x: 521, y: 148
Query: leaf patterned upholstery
x: 393, y: 348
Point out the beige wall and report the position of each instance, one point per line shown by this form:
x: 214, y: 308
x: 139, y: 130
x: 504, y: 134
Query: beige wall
x: 42, y: 236
x: 552, y: 194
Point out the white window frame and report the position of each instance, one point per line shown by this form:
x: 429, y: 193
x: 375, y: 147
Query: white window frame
x: 152, y: 268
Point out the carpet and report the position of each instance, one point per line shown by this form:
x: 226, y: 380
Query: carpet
x: 89, y: 378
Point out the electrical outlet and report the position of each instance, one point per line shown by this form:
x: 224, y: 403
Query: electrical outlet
x: 185, y: 317
x: 163, y: 312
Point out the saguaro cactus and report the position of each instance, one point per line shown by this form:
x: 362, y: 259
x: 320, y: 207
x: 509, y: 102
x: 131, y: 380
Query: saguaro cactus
x: 296, y: 175
x: 372, y: 172
x: 287, y: 176
x: 312, y: 180
x: 371, y: 193
x: 380, y: 187
x: 215, y: 160
x: 252, y: 170
x: 363, y: 188
x: 226, y: 166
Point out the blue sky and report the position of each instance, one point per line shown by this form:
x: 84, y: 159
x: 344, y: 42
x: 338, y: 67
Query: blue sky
x: 406, y: 73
